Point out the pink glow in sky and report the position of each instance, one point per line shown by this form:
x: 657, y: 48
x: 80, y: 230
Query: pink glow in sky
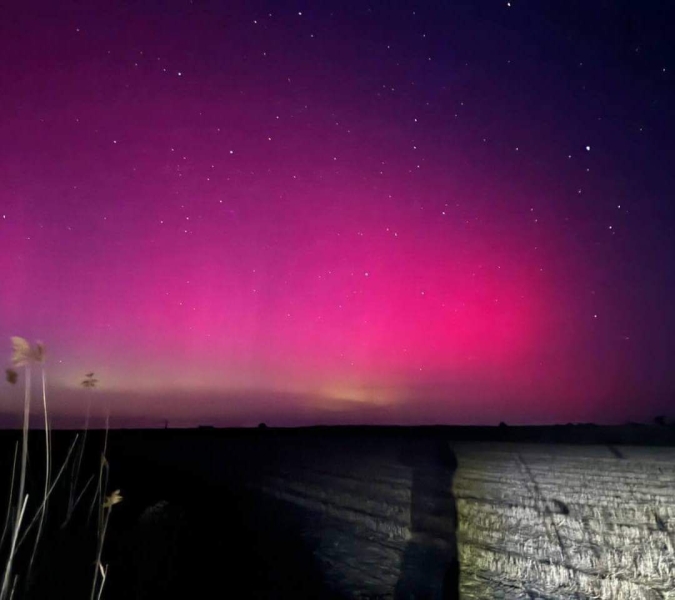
x: 233, y: 217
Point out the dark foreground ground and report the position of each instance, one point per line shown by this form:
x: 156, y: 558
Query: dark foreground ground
x: 312, y: 513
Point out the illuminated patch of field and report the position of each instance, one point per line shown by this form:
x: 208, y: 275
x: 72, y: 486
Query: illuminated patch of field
x: 563, y: 522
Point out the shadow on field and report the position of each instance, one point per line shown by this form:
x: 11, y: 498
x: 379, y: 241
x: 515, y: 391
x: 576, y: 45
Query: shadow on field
x: 196, y: 539
x: 430, y: 567
x: 196, y: 519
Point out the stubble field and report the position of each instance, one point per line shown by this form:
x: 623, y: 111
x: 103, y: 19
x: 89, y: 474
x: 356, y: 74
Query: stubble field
x: 563, y: 522
x: 377, y: 514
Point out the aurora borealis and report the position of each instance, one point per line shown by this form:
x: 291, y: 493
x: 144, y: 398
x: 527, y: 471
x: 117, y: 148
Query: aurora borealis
x: 341, y: 212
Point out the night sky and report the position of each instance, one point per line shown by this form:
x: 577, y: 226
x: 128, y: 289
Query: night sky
x: 456, y: 212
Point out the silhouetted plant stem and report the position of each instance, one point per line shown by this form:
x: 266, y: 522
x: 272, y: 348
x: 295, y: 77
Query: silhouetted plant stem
x: 51, y: 489
x: 9, y: 497
x: 24, y: 439
x: 12, y: 551
x: 73, y: 498
x: 43, y: 509
x: 106, y: 508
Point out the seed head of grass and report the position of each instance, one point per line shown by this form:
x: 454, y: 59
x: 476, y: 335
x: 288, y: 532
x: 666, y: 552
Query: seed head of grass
x: 112, y: 499
x: 23, y: 354
x: 89, y: 381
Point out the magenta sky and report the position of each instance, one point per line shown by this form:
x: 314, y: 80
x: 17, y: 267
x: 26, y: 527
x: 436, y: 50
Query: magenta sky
x: 352, y: 213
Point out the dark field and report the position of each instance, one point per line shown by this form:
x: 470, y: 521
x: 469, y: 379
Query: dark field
x: 370, y: 513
